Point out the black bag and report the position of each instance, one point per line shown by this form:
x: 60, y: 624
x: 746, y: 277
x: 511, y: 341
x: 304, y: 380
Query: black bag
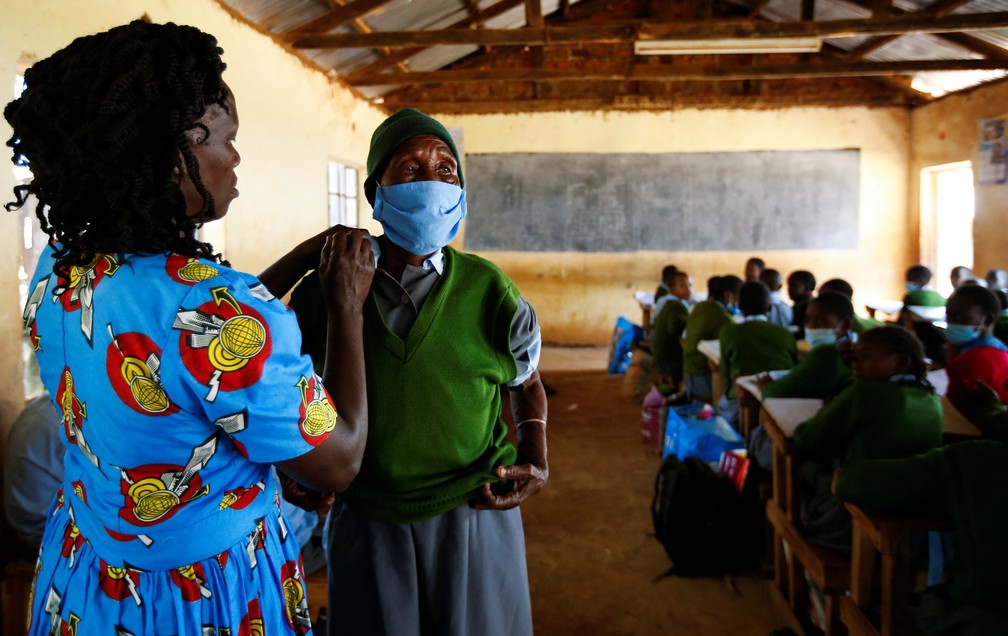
x: 705, y: 526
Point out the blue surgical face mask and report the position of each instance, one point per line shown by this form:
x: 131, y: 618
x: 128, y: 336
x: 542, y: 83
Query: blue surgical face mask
x: 816, y: 337
x: 961, y: 334
x: 421, y: 216
x: 911, y: 287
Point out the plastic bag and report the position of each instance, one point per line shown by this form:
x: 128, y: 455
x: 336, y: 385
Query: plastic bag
x: 653, y: 416
x: 625, y: 335
x: 693, y: 430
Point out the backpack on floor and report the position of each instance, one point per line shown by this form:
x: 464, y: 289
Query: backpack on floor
x: 705, y: 525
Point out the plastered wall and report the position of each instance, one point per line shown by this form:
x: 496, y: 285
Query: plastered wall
x: 293, y: 120
x: 947, y: 132
x: 578, y: 296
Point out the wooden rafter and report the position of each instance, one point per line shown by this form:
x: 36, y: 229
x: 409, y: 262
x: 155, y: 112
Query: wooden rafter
x: 625, y: 31
x: 939, y: 9
x: 633, y: 103
x: 401, y: 55
x: 668, y: 72
x: 339, y: 16
x: 534, y: 14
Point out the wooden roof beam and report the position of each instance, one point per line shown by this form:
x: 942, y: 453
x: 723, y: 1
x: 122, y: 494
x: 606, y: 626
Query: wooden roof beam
x: 534, y: 14
x: 338, y: 17
x: 629, y: 31
x: 667, y: 72
x: 401, y: 55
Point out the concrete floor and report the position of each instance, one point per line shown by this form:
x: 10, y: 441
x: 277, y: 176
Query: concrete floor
x: 590, y: 550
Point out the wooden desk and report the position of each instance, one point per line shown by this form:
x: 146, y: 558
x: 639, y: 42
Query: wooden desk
x: 891, y: 307
x: 712, y: 349
x: 749, y: 396
x: 924, y: 313
x: 886, y: 539
x: 829, y: 570
x: 647, y: 303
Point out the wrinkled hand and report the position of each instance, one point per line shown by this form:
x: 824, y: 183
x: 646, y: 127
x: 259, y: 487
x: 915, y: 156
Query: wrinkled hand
x: 525, y: 478
x: 310, y: 250
x: 346, y: 268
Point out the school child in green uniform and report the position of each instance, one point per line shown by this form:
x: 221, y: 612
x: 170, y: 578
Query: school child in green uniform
x: 859, y: 323
x: 825, y: 371
x: 753, y: 346
x: 666, y: 344
x: 964, y: 481
x: 800, y: 289
x: 704, y: 323
x: 889, y: 412
x: 918, y: 292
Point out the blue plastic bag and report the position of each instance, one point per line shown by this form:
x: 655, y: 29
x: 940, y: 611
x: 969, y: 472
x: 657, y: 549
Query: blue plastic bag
x: 693, y: 430
x: 625, y: 336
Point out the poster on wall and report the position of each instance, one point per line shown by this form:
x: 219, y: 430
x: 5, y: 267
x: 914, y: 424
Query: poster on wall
x: 993, y: 150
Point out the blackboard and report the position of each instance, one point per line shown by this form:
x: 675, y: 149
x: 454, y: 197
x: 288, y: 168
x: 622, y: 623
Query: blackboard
x: 669, y: 202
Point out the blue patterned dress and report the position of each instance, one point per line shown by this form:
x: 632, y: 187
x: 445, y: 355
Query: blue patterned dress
x: 180, y: 382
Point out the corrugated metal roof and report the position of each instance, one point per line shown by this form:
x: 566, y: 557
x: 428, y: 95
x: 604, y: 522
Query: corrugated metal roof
x: 283, y: 16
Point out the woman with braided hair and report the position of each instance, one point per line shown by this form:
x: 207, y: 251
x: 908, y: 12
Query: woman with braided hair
x: 179, y: 380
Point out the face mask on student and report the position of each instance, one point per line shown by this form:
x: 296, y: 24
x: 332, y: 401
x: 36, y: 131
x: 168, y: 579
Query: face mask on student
x: 961, y: 334
x: 816, y: 337
x: 775, y: 297
x: 912, y: 287
x: 421, y: 216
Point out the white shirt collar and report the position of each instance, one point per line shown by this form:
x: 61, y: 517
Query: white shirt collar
x: 435, y: 261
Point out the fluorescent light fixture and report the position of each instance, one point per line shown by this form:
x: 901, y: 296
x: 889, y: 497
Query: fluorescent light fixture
x: 728, y: 46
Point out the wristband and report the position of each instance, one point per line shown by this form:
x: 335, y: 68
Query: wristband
x: 531, y: 419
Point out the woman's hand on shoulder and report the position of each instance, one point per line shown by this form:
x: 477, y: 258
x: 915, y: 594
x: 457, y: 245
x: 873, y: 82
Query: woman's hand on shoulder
x: 346, y: 268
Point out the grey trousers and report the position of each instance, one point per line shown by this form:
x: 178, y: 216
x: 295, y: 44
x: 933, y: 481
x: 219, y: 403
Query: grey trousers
x: 461, y: 573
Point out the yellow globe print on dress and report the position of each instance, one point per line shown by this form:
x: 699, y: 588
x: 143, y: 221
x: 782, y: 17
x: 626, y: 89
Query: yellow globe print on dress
x: 152, y: 500
x: 145, y: 390
x: 195, y: 271
x: 320, y: 417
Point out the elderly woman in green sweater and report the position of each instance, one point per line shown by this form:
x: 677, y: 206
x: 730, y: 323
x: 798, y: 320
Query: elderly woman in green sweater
x: 428, y: 538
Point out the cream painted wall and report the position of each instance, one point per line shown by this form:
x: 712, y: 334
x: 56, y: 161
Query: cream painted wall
x: 578, y: 296
x: 946, y: 132
x: 293, y: 119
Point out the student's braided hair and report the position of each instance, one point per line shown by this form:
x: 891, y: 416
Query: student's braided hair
x: 902, y: 342
x: 101, y: 124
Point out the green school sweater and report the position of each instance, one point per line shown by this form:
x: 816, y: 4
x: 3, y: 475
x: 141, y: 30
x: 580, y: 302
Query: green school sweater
x: 861, y: 324
x: 822, y: 374
x: 965, y: 481
x: 752, y: 347
x: 665, y: 344
x: 871, y: 419
x: 435, y: 433
x: 924, y: 298
x: 703, y: 323
x: 1001, y: 328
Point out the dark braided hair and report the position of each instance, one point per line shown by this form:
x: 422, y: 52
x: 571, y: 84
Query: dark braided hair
x: 903, y: 342
x: 102, y: 124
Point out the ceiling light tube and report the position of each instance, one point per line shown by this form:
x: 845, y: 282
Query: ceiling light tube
x: 728, y: 46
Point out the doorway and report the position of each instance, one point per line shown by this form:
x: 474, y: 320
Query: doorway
x: 946, y: 238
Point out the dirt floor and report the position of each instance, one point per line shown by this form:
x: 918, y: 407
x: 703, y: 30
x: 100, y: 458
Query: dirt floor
x: 591, y: 552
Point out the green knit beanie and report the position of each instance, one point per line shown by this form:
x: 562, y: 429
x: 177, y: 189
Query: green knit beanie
x: 391, y: 133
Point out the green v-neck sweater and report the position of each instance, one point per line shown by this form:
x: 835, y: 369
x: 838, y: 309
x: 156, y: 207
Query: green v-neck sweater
x: 435, y: 433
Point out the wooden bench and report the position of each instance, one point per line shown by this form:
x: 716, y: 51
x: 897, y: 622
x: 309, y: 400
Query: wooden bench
x: 794, y: 555
x: 884, y: 540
